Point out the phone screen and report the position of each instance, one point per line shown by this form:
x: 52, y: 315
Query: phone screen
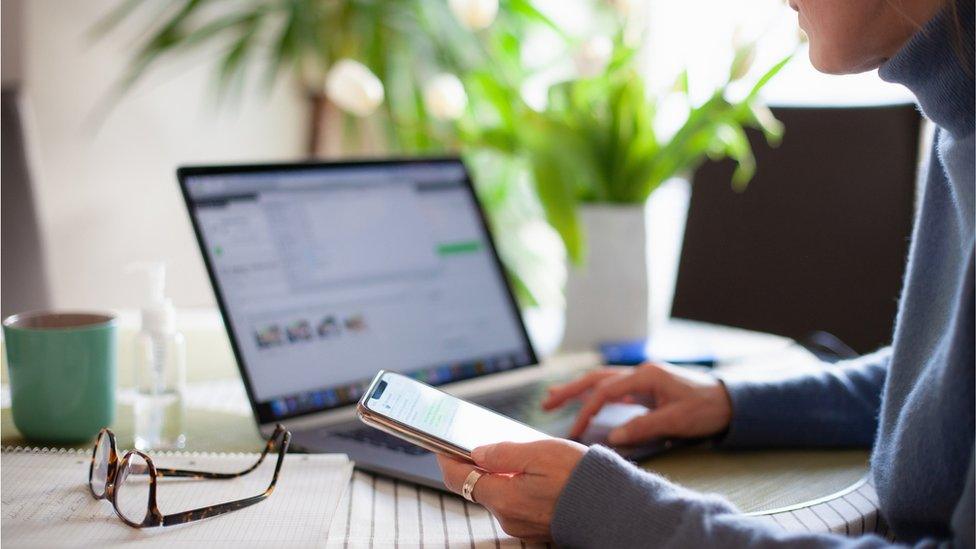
x: 448, y: 418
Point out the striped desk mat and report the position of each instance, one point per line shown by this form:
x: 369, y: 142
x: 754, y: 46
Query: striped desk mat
x: 379, y: 512
x: 852, y: 512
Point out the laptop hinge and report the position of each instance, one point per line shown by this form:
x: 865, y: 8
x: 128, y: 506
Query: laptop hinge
x: 564, y: 365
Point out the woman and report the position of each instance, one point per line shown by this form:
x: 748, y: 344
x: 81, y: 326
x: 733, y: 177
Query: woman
x: 914, y: 400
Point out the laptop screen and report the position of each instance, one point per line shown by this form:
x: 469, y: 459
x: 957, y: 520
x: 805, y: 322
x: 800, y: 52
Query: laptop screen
x: 328, y: 273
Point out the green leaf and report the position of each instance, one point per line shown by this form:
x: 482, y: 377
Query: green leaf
x: 735, y: 144
x: 285, y: 51
x: 766, y: 77
x: 557, y: 194
x: 498, y: 139
x: 232, y: 65
x: 523, y: 292
x: 114, y: 17
x: 760, y: 116
x: 681, y: 83
x: 530, y: 12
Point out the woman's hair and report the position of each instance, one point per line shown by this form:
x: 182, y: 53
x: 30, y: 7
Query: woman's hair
x: 961, y: 42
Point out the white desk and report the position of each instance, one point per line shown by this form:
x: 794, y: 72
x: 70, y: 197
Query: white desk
x: 803, y: 489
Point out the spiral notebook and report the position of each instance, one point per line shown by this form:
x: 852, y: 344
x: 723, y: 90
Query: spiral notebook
x: 46, y: 502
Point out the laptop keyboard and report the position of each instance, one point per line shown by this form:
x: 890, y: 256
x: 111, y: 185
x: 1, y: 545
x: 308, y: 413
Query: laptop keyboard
x: 521, y: 404
x: 379, y: 438
x: 524, y: 404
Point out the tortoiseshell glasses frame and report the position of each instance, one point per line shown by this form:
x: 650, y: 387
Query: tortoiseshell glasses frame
x: 117, y: 469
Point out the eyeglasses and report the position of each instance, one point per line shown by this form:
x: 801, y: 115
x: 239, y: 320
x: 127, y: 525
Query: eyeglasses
x: 129, y: 482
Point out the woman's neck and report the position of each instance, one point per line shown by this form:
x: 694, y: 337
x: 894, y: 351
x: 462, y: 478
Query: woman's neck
x: 911, y: 17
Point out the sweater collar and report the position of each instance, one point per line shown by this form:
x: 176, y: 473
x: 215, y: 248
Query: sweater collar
x: 929, y: 66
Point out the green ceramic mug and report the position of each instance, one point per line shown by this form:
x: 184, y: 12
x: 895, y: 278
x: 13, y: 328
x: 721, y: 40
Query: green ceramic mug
x: 62, y: 373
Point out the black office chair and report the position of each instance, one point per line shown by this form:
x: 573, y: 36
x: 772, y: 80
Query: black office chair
x: 815, y: 248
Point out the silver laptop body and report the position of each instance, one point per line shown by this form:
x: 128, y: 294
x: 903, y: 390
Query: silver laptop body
x: 325, y: 273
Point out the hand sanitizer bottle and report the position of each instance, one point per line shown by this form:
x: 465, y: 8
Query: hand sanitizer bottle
x: 160, y: 367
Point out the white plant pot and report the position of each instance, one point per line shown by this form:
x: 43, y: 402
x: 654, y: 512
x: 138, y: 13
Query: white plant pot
x: 626, y: 287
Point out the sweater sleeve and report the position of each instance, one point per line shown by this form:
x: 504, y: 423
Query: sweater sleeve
x: 838, y: 406
x: 608, y: 502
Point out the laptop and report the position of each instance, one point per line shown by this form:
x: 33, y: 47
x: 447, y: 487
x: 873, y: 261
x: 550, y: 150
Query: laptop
x: 327, y: 273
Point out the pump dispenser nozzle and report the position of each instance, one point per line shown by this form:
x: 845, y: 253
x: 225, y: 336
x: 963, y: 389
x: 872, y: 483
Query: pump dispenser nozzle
x: 157, y: 309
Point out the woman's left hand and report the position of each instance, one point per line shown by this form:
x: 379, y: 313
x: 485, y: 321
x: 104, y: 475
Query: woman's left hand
x: 521, y: 482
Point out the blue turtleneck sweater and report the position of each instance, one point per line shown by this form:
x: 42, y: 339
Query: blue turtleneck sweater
x: 913, y: 400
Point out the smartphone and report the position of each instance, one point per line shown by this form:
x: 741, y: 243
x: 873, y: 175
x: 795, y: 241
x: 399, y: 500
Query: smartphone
x: 435, y: 420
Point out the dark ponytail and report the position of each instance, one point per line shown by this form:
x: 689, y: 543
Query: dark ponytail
x: 962, y: 32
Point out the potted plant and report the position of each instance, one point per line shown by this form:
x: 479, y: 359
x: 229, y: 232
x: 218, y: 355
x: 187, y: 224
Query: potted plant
x: 420, y: 76
x: 377, y: 77
x: 597, y: 151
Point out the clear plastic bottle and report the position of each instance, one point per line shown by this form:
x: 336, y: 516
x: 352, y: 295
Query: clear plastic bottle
x: 160, y: 369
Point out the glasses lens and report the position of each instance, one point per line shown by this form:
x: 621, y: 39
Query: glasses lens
x: 99, y: 466
x: 132, y: 489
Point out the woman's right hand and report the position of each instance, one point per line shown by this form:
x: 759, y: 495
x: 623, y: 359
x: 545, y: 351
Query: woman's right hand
x: 685, y: 403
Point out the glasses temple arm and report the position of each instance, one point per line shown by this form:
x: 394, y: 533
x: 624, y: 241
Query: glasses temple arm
x: 188, y: 473
x: 211, y: 511
x: 214, y: 510
x: 185, y: 473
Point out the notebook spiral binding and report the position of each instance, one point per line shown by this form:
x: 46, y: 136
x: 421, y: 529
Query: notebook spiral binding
x: 86, y: 451
x: 42, y: 450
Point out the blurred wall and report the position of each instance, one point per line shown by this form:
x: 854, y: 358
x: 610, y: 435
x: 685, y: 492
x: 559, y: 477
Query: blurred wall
x: 106, y: 187
x: 11, y: 38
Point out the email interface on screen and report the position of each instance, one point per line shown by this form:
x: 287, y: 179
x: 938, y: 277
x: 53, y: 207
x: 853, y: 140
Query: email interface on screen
x: 330, y: 274
x: 448, y: 418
